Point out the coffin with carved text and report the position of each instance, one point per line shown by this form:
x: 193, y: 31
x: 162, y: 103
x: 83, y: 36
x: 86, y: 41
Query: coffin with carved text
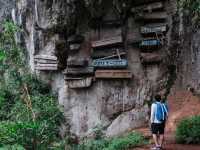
x: 110, y: 63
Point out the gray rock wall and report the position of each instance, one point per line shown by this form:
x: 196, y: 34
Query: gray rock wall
x: 116, y: 104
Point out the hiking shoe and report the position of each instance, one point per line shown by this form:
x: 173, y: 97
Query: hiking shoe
x: 155, y: 148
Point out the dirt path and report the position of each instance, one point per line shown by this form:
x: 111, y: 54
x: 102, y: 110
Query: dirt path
x: 171, y: 145
x: 181, y: 104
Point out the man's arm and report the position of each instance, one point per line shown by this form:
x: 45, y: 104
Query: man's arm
x: 152, y: 112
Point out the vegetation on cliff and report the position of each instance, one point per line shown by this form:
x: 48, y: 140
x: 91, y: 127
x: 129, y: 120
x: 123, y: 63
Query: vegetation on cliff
x: 191, y: 8
x: 29, y: 113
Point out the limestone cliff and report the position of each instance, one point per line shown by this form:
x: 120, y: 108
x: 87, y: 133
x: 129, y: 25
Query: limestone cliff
x: 82, y: 48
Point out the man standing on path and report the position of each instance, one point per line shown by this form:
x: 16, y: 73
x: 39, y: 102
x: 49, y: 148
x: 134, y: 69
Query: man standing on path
x: 159, y: 113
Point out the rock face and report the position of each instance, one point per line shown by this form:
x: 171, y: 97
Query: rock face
x: 6, y: 7
x: 55, y: 29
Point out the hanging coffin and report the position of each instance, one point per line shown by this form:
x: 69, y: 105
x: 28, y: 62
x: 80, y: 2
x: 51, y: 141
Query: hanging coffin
x: 153, y: 29
x: 107, y: 42
x: 46, y: 67
x: 110, y: 63
x: 150, y: 7
x: 75, y: 39
x: 152, y: 16
x: 150, y: 43
x: 79, y: 71
x: 111, y: 53
x: 79, y: 83
x: 150, y: 58
x: 75, y: 47
x: 111, y: 23
x: 45, y: 57
x: 77, y: 63
x: 113, y: 74
x: 45, y: 61
x: 141, y: 2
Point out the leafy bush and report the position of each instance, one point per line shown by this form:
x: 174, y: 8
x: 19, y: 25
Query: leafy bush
x: 193, y: 7
x: 188, y: 131
x: 119, y: 143
x: 29, y: 113
x: 132, y: 140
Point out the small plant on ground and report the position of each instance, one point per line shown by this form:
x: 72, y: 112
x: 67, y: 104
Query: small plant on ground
x: 188, y: 131
x: 119, y: 143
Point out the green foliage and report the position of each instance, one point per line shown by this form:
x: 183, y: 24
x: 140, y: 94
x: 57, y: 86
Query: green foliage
x: 188, y: 131
x: 12, y: 147
x: 132, y: 140
x: 119, y: 143
x: 192, y: 7
x: 29, y: 113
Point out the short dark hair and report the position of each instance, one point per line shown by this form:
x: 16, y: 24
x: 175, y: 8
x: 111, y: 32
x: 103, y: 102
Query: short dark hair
x: 158, y: 97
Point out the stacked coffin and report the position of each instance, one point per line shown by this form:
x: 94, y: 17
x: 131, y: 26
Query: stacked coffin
x: 154, y: 29
x: 75, y: 42
x: 77, y: 74
x: 109, y: 59
x: 46, y: 62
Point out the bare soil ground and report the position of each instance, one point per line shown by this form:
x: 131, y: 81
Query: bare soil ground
x: 182, y: 104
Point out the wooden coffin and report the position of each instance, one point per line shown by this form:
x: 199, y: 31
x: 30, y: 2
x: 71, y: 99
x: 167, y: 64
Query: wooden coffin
x: 75, y: 39
x: 110, y: 53
x: 113, y: 74
x: 150, y: 43
x: 111, y: 23
x: 153, y: 29
x: 45, y: 61
x: 152, y: 16
x: 110, y: 63
x: 77, y: 62
x: 46, y: 67
x: 141, y: 2
x: 148, y: 7
x: 46, y: 57
x: 79, y: 71
x: 149, y: 58
x: 79, y: 83
x: 133, y: 38
x: 107, y: 42
x: 74, y: 47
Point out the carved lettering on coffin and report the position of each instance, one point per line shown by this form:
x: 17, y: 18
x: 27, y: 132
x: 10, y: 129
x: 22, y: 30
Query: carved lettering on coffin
x: 113, y: 74
x: 149, y: 7
x: 110, y: 63
x: 80, y: 83
x: 149, y: 58
x: 107, y: 42
x: 152, y: 16
x: 154, y: 29
x: 79, y: 71
x: 151, y: 43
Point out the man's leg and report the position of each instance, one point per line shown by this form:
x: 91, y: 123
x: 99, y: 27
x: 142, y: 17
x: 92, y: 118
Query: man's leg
x: 155, y: 138
x: 161, y: 139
